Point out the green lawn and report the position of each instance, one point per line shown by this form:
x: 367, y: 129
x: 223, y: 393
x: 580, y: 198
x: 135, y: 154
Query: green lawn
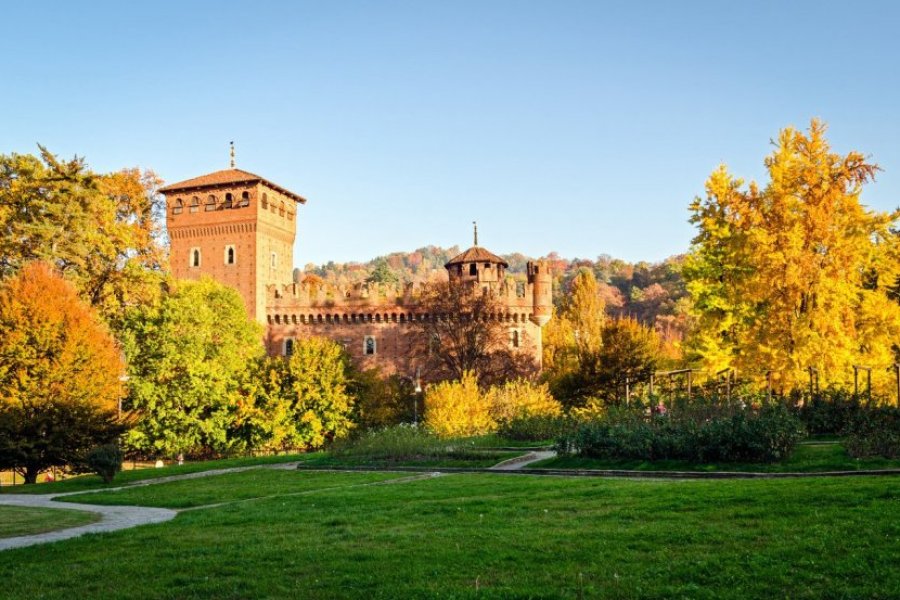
x: 805, y: 459
x: 90, y: 482
x: 25, y: 520
x: 326, y: 535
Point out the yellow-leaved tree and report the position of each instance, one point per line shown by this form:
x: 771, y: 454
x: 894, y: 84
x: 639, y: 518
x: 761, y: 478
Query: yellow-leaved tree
x: 795, y: 274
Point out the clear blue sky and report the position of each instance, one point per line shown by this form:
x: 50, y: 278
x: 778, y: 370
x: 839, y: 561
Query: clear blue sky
x: 579, y: 127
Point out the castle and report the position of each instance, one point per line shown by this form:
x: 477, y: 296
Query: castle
x: 239, y: 229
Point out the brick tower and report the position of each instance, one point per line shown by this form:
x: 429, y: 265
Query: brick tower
x: 235, y: 227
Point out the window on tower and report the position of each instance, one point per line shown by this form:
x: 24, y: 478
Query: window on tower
x: 229, y: 200
x: 515, y: 338
x: 265, y: 200
x: 288, y: 347
x: 210, y: 203
x: 229, y: 255
x: 195, y: 257
x: 281, y: 209
x: 178, y: 207
x: 195, y: 204
x: 473, y: 269
x: 369, y: 345
x: 245, y: 198
x: 274, y: 262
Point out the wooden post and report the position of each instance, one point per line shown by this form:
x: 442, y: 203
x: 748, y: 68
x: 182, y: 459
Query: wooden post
x: 856, y: 381
x: 869, y: 384
x: 769, y: 385
x: 690, y: 378
x: 897, y: 378
x: 627, y: 391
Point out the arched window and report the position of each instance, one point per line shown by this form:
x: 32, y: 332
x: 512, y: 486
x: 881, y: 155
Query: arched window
x: 229, y: 200
x: 178, y: 207
x: 369, y: 345
x: 210, y: 203
x: 281, y: 209
x: 288, y: 347
x: 265, y: 200
x: 515, y: 338
x: 195, y: 204
x: 195, y: 257
x: 245, y: 198
x: 229, y: 255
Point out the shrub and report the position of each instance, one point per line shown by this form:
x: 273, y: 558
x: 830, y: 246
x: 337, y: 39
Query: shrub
x: 874, y: 432
x: 521, y: 398
x: 105, y: 461
x: 530, y: 427
x: 767, y: 434
x: 382, y: 401
x: 403, y: 443
x: 830, y: 411
x: 458, y: 409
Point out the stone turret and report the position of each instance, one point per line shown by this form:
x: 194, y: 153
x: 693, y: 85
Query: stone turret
x: 541, y: 280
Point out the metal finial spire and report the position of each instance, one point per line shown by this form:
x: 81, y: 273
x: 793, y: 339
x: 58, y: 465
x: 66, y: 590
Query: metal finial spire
x: 475, y: 226
x: 232, y: 154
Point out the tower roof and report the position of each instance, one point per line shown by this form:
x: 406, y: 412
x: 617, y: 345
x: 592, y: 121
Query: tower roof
x: 228, y: 177
x: 476, y: 254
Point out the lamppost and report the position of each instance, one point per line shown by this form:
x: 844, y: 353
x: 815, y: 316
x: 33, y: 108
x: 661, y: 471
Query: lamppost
x: 418, y: 391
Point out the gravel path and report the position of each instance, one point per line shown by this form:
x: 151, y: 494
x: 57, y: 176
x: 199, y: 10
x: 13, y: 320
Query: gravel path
x: 520, y: 462
x: 112, y: 518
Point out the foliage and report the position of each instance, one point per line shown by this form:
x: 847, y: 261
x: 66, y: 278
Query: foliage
x: 102, y: 231
x: 301, y: 402
x: 59, y: 373
x: 796, y: 273
x: 532, y: 427
x: 398, y: 442
x: 35, y: 437
x: 382, y: 401
x: 629, y: 356
x: 188, y: 358
x: 315, y: 382
x: 874, y: 432
x: 767, y: 434
x: 105, y: 461
x: 463, y: 336
x: 521, y: 398
x: 458, y: 409
x: 830, y: 411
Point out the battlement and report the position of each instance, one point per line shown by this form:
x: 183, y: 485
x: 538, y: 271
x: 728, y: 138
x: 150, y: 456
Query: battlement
x: 512, y: 293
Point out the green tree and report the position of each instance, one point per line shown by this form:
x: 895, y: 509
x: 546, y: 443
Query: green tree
x: 382, y: 273
x: 59, y: 374
x: 300, y: 402
x: 188, y: 361
x: 101, y: 231
x: 630, y: 355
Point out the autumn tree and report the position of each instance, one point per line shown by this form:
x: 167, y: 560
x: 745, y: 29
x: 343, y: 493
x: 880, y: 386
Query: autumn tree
x: 796, y: 273
x: 574, y: 339
x: 629, y: 356
x: 188, y: 361
x: 59, y: 374
x: 297, y: 402
x: 101, y: 231
x: 462, y: 334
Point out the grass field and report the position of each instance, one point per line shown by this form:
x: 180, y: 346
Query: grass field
x: 807, y: 458
x: 299, y: 534
x: 90, y: 482
x: 23, y: 520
